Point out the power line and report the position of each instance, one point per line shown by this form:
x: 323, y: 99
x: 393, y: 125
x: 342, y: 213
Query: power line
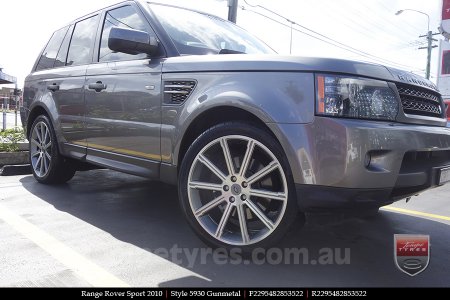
x: 408, y: 24
x: 322, y: 37
x: 325, y: 41
x: 349, y: 22
x: 383, y: 21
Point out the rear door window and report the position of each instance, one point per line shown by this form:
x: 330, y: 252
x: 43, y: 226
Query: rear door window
x: 47, y: 59
x: 80, y: 50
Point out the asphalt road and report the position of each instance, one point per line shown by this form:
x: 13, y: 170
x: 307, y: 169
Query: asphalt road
x: 104, y: 228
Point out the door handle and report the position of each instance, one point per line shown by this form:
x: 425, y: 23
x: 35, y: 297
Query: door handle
x: 98, y: 86
x: 53, y: 87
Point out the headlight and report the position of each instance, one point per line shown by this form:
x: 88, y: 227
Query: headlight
x: 352, y: 97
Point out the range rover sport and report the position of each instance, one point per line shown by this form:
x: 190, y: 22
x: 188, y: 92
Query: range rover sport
x: 251, y: 138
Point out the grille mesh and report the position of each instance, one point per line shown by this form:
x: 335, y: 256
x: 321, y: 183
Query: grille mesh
x: 176, y: 92
x: 418, y: 101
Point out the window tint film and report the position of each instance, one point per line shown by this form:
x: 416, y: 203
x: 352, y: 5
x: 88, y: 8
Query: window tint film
x: 51, y: 50
x: 124, y: 17
x: 82, y: 41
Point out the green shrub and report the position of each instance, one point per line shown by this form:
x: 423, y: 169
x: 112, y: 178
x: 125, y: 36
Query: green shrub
x: 9, y: 139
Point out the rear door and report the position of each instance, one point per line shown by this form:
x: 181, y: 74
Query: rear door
x: 63, y: 67
x: 71, y: 103
x: 123, y: 101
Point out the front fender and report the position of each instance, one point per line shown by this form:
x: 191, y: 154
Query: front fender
x: 272, y: 97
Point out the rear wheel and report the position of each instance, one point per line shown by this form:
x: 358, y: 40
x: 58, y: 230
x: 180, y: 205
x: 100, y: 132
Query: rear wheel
x: 236, y: 187
x: 47, y: 164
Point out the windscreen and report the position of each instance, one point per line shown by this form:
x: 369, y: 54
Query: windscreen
x: 197, y: 33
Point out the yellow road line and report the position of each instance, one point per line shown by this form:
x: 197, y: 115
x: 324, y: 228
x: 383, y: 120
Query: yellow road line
x: 416, y: 213
x: 87, y: 270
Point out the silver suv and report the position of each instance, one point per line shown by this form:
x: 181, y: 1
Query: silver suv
x: 252, y: 139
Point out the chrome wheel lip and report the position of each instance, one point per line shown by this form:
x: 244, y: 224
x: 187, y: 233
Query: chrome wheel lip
x: 40, y: 149
x: 232, y: 196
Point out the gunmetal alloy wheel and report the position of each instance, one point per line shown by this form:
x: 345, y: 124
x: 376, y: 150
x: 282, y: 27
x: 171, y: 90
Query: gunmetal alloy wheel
x: 48, y: 166
x: 40, y: 149
x: 237, y: 190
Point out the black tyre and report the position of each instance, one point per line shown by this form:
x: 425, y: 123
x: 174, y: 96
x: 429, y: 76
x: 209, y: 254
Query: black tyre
x: 236, y: 188
x: 47, y: 165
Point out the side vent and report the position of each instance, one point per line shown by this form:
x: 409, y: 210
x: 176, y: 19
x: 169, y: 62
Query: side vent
x: 176, y: 92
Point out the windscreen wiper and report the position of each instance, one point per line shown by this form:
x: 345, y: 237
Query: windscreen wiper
x: 229, y: 51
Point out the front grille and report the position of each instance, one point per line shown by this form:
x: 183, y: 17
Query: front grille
x: 176, y: 92
x: 419, y: 101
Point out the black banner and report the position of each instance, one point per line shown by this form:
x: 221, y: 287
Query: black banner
x: 235, y: 293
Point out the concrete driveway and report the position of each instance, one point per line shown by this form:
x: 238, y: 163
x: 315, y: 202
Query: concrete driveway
x: 105, y: 228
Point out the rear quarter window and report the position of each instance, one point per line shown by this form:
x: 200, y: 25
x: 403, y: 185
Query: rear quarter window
x: 62, y: 53
x: 48, y: 56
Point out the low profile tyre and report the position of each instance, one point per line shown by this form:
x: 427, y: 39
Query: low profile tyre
x: 47, y: 165
x: 236, y: 188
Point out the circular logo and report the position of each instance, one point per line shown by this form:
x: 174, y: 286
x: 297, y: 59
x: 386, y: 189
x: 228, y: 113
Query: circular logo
x: 236, y: 189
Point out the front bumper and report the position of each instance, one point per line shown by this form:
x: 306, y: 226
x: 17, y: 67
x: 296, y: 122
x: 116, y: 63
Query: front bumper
x: 340, y: 162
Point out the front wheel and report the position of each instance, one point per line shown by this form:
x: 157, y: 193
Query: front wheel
x: 236, y: 187
x: 47, y: 165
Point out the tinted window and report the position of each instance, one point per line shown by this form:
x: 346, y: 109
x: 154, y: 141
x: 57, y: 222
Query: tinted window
x: 124, y: 17
x: 62, y: 54
x: 82, y: 40
x: 51, y: 50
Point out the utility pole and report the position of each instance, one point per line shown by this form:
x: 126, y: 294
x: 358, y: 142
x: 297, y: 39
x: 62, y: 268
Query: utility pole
x: 429, y: 37
x: 16, y: 91
x: 232, y: 10
x: 429, y: 47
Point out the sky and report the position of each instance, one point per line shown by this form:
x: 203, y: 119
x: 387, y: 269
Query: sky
x: 369, y: 27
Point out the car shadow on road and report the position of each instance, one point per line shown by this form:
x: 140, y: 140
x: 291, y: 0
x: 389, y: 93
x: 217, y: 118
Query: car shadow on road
x: 147, y: 215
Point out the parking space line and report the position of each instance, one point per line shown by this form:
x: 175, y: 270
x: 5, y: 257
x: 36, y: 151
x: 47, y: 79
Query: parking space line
x: 86, y: 269
x: 416, y: 213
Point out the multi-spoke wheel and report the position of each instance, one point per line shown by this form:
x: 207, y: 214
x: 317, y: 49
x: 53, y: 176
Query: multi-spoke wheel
x: 47, y: 164
x: 236, y: 187
x: 40, y: 147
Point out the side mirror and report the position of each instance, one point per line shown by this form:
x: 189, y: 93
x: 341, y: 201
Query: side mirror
x: 131, y: 41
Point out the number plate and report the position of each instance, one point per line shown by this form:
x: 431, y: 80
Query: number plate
x: 444, y: 176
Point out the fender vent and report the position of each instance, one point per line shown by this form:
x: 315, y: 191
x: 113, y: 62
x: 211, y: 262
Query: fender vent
x: 176, y: 92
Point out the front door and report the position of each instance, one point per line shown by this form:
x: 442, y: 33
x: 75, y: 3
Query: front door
x: 123, y: 103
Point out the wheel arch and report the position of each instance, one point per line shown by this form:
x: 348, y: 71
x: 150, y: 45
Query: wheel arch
x: 35, y: 112
x: 214, y: 116
x: 40, y: 108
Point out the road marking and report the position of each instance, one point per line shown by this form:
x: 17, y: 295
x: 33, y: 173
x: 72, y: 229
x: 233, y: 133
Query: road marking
x: 416, y: 213
x: 87, y: 270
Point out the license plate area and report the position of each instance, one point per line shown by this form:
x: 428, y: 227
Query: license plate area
x: 444, y: 176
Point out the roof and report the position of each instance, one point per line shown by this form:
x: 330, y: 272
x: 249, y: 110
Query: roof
x: 6, y: 79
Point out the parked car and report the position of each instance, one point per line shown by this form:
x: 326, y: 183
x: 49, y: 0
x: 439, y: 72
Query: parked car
x: 251, y: 138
